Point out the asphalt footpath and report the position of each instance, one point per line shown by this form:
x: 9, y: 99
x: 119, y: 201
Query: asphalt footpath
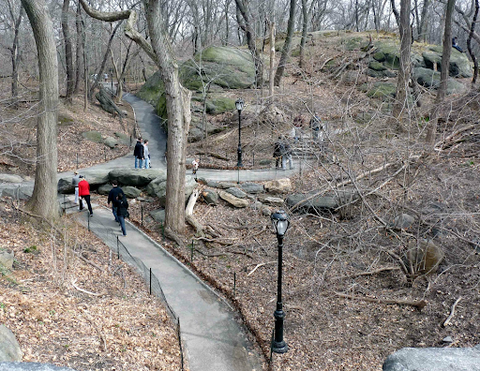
x: 213, y: 337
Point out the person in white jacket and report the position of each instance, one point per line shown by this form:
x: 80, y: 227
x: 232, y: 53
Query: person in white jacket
x: 146, y: 152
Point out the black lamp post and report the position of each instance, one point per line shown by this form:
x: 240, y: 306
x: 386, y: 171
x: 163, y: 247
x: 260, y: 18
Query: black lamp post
x: 239, y: 105
x: 280, y: 223
x: 111, y: 80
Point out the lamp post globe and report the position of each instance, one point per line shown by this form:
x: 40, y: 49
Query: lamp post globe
x: 280, y: 223
x: 239, y: 103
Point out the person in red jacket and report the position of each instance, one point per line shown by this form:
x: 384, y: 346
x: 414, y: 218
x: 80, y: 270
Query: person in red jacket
x: 84, y: 193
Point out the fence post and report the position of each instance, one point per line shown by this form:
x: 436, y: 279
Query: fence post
x: 180, y: 341
x: 118, y: 249
x: 234, y: 283
x: 150, y: 281
x: 77, y: 160
x: 191, y: 257
x: 88, y: 221
x: 141, y: 213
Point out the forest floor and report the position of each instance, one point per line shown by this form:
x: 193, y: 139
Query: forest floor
x: 348, y: 302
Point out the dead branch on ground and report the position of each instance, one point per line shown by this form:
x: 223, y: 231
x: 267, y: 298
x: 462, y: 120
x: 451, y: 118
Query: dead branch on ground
x: 452, y: 312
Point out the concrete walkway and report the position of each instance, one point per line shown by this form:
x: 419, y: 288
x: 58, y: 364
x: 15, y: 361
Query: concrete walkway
x: 213, y: 337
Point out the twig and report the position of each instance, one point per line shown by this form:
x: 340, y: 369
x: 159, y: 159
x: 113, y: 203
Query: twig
x: 370, y: 273
x: 258, y: 266
x: 82, y: 290
x: 418, y: 304
x: 452, y: 312
x: 88, y: 261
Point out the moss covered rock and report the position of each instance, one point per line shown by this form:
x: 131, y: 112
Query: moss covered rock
x: 93, y: 136
x: 382, y: 90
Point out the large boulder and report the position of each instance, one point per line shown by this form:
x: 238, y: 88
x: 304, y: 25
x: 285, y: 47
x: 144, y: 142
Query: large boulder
x: 6, y: 259
x: 431, y: 79
x: 313, y: 205
x: 232, y: 200
x: 459, y: 64
x: 10, y: 178
x: 434, y: 359
x: 158, y: 188
x: 278, y: 186
x: 17, y: 192
x: 137, y: 177
x: 9, y: 349
x: 94, y: 177
x: 215, y: 67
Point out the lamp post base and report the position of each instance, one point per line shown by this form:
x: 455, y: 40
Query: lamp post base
x: 280, y: 347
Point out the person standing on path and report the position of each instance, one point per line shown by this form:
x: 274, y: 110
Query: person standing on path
x: 121, y: 205
x: 112, y: 196
x: 195, y: 165
x: 75, y: 181
x: 146, y: 154
x: 139, y: 154
x: 84, y: 193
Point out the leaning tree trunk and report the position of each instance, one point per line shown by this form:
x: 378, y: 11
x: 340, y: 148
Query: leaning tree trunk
x: 442, y: 89
x: 67, y: 41
x: 44, y: 198
x: 14, y: 54
x: 79, y: 49
x: 286, y: 45
x: 469, y: 44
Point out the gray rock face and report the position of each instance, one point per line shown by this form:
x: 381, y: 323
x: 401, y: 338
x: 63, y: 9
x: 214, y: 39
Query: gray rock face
x: 94, y: 178
x: 158, y: 215
x: 9, y: 349
x: 402, y: 221
x: 210, y: 196
x: 315, y: 205
x: 22, y: 192
x: 232, y: 200
x: 252, y: 188
x: 278, y: 186
x: 434, y: 359
x: 131, y: 192
x: 33, y: 366
x: 137, y: 177
x: 431, y: 79
x: 110, y: 142
x: 459, y: 63
x: 158, y: 188
x: 10, y: 178
x: 236, y: 192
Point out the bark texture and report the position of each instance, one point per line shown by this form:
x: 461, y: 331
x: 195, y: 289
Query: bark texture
x: 44, y: 199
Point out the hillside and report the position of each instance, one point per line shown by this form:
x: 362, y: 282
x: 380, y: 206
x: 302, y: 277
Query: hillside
x: 348, y: 302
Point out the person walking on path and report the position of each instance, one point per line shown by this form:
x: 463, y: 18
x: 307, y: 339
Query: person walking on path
x: 121, y: 205
x: 84, y: 193
x: 146, y: 154
x: 112, y: 196
x: 75, y: 180
x: 315, y: 125
x: 139, y: 153
x: 278, y: 149
x: 195, y: 165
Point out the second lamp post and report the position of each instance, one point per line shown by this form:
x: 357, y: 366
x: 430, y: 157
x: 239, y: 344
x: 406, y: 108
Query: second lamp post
x: 239, y: 105
x: 280, y: 223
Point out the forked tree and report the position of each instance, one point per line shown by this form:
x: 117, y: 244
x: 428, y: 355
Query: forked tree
x: 178, y: 103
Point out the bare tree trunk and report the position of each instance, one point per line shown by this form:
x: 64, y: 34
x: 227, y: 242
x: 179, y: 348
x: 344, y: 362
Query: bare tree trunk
x: 247, y: 27
x: 395, y: 12
x: 442, y: 89
x: 286, y: 45
x: 67, y: 42
x: 303, y: 41
x: 401, y: 99
x: 79, y: 51
x: 423, y: 28
x: 14, y: 51
x: 469, y: 44
x: 272, y: 61
x: 44, y: 198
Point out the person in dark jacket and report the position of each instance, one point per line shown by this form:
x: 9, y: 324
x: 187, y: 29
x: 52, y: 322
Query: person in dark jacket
x: 112, y: 196
x: 455, y: 45
x: 278, y: 149
x: 139, y: 153
x: 121, y: 205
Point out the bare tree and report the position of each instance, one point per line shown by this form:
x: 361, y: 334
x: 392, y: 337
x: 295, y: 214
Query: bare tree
x: 469, y: 44
x: 401, y: 101
x: 44, y: 198
x: 286, y: 45
x: 303, y: 41
x: 178, y: 104
x: 67, y: 42
x: 246, y: 24
x: 442, y: 89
